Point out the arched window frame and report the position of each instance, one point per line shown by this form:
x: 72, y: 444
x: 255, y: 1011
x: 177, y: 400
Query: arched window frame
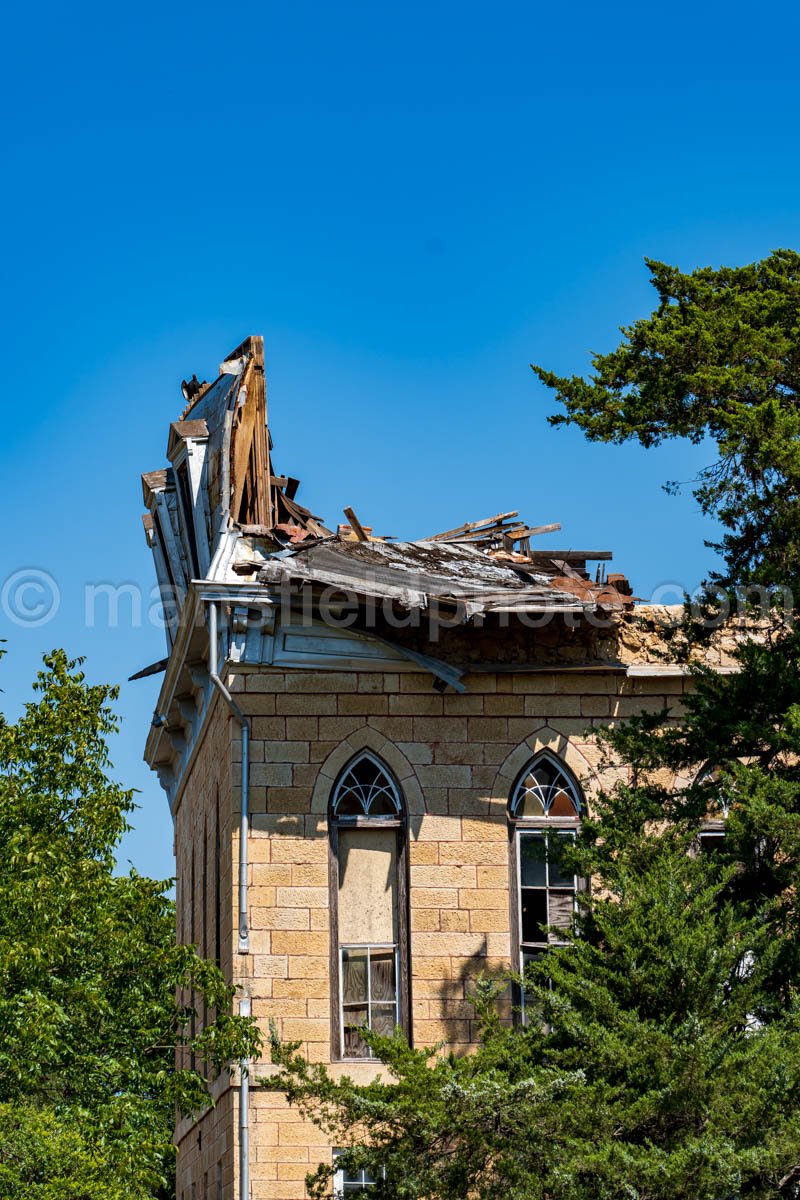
x: 390, y: 790
x: 341, y: 821
x: 523, y: 827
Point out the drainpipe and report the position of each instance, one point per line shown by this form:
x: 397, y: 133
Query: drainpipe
x: 244, y: 827
x: 244, y: 1115
x: 244, y: 1003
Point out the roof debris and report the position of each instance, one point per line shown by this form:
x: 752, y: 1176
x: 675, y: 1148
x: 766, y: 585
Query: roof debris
x: 221, y: 513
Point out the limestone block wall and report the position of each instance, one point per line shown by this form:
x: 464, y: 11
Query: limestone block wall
x: 207, y: 1153
x: 205, y: 850
x: 456, y: 758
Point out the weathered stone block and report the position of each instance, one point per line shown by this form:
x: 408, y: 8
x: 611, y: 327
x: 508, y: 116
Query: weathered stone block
x: 433, y: 897
x: 423, y: 853
x: 328, y: 683
x: 279, y: 918
x: 454, y: 921
x: 363, y: 705
x: 425, y: 920
x: 299, y: 942
x: 489, y: 920
x: 406, y: 704
x: 302, y: 897
x: 301, y: 729
x: 503, y: 706
x: 298, y: 704
x: 485, y: 853
x: 285, y: 751
x: 443, y: 876
x: 440, y: 729
x: 487, y: 729
x: 309, y: 875
x: 437, y: 829
x: 483, y: 898
x: 305, y: 966
x: 441, y: 776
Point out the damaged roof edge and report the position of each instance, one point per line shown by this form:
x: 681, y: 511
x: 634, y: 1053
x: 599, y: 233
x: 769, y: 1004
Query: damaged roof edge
x: 221, y: 491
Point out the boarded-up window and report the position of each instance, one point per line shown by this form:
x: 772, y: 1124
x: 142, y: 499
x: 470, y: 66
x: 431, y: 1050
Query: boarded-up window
x: 369, y: 924
x: 367, y: 886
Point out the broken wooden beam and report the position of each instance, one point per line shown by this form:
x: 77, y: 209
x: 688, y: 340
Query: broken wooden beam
x: 469, y: 527
x: 571, y: 556
x: 356, y: 526
x: 535, y: 530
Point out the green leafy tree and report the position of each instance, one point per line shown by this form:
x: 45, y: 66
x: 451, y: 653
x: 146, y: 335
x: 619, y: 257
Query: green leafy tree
x: 91, y: 975
x: 660, y: 1056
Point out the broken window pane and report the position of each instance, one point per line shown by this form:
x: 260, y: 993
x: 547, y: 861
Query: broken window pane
x: 562, y: 905
x: 547, y: 889
x: 532, y: 866
x: 557, y: 874
x: 534, y: 915
x: 353, y: 1044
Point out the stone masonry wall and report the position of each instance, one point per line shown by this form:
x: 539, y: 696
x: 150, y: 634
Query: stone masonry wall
x: 206, y: 1149
x: 456, y: 758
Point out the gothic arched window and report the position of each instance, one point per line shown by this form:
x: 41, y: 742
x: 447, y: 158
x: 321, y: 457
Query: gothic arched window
x: 545, y: 789
x: 366, y: 789
x: 369, y: 893
x: 544, y: 811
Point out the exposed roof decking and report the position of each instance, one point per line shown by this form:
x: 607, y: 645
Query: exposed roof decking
x: 417, y: 574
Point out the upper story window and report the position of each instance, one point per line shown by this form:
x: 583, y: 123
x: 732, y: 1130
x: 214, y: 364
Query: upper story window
x: 544, y: 809
x: 347, y: 1182
x: 545, y: 789
x: 712, y: 830
x: 366, y: 789
x: 369, y: 892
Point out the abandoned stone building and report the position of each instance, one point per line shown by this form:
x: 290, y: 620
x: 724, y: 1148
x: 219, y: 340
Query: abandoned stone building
x: 361, y: 741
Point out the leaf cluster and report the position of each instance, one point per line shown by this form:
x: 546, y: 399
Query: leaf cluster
x: 96, y: 996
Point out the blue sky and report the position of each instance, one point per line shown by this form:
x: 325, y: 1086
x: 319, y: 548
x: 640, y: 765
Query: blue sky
x: 411, y: 203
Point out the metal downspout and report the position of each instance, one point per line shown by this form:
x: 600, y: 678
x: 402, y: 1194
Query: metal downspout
x: 244, y: 829
x: 244, y: 1114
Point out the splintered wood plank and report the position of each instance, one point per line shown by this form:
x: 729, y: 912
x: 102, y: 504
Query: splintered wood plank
x: 534, y: 530
x: 356, y: 526
x: 252, y: 500
x: 260, y: 488
x: 571, y: 556
x: 461, y: 530
x: 242, y: 447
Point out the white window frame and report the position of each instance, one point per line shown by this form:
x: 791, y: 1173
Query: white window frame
x: 544, y: 826
x: 339, y: 1181
x: 546, y: 832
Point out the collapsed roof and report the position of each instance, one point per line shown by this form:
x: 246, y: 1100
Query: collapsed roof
x: 220, y: 514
